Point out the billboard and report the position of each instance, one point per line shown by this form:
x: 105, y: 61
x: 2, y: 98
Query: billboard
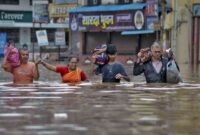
x: 60, y: 38
x: 40, y: 11
x: 58, y: 13
x: 3, y: 37
x: 107, y: 21
x: 42, y: 37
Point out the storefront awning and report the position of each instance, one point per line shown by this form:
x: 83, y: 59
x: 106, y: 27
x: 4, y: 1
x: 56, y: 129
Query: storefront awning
x: 137, y: 32
x: 106, y: 8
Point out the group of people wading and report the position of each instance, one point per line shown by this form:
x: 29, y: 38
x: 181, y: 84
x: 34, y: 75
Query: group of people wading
x: 151, y: 62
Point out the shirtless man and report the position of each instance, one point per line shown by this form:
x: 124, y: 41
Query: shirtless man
x: 26, y: 72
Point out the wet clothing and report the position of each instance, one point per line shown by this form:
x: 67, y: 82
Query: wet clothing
x: 24, y: 74
x: 150, y: 72
x: 71, y: 76
x: 109, y: 71
x: 157, y: 66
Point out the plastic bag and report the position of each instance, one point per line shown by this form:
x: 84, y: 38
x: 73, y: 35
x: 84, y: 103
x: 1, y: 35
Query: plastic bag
x: 173, y: 74
x: 13, y: 57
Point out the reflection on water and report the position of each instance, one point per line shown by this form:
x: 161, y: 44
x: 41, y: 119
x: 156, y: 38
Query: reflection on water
x: 49, y: 107
x: 100, y: 109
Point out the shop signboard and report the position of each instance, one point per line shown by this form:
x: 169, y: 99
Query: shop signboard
x: 153, y: 23
x: 151, y: 8
x: 107, y: 21
x: 59, y: 13
x: 15, y: 16
x: 40, y: 11
x: 2, y: 42
x: 66, y: 1
x: 60, y: 38
x: 42, y: 37
x: 196, y: 9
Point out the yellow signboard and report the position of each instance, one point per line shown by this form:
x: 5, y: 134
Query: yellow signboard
x: 60, y: 10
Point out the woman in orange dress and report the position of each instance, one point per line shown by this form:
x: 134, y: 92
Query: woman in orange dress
x: 70, y: 73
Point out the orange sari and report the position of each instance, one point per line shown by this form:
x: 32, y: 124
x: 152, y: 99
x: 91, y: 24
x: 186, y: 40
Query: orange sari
x: 72, y: 76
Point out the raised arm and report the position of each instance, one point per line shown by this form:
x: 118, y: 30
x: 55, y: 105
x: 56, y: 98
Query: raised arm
x: 92, y: 65
x: 138, y: 64
x: 36, y: 74
x: 48, y: 66
x: 6, y: 66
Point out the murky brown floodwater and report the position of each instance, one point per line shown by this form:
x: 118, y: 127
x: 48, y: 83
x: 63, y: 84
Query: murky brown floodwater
x: 49, y: 107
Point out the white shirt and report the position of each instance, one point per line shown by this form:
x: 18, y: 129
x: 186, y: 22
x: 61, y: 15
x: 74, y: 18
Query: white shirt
x: 157, y: 66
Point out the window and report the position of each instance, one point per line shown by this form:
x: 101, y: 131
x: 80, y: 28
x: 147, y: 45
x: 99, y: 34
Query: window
x: 125, y: 1
x: 9, y: 2
x: 12, y: 34
x: 94, y: 2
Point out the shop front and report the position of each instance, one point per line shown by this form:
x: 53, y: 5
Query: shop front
x: 20, y: 30
x: 111, y: 24
x: 10, y: 22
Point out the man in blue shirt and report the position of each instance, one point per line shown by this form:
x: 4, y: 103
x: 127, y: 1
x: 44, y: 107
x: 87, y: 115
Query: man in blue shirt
x: 113, y: 71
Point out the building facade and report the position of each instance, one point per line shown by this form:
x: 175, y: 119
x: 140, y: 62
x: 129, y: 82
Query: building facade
x: 129, y: 25
x: 185, y: 31
x: 16, y: 20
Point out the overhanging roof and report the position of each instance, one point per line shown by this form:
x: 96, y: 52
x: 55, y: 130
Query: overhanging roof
x: 137, y: 32
x: 105, y: 8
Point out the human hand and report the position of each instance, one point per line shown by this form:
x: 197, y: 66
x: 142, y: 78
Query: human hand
x: 119, y: 76
x: 38, y: 61
x: 93, y: 58
x: 144, y: 55
x: 9, y: 50
x: 139, y: 54
x: 170, y: 54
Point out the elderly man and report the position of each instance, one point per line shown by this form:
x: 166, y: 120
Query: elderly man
x: 154, y: 67
x: 26, y: 72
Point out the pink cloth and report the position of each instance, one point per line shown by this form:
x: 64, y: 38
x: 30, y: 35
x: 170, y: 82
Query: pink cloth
x: 13, y: 57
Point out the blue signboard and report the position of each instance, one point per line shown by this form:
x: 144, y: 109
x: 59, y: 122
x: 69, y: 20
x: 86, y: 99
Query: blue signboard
x: 2, y: 43
x: 196, y: 9
x: 66, y: 1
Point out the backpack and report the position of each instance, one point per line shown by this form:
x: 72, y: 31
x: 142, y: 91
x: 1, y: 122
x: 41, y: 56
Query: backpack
x: 173, y: 74
x: 13, y: 57
x: 100, y: 53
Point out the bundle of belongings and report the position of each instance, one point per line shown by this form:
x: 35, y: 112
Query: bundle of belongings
x: 100, y: 55
x: 13, y: 56
x: 173, y: 72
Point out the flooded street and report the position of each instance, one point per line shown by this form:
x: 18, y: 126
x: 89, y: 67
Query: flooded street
x: 49, y: 107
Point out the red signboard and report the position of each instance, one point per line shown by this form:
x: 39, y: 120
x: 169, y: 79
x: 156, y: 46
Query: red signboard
x: 151, y: 8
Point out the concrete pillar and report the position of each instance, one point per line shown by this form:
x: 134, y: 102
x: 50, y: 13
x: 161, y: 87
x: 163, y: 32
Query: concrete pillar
x: 25, y: 36
x: 183, y: 35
